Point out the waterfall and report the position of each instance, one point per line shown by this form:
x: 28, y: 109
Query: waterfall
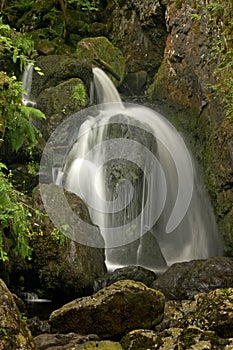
x: 27, y: 83
x: 161, y: 214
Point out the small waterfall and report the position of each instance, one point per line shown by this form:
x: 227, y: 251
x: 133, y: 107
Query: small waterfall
x: 33, y: 298
x: 27, y: 83
x: 161, y: 214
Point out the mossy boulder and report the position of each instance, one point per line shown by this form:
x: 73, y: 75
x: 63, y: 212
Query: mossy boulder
x: 59, y: 102
x: 101, y: 52
x: 14, y: 333
x: 62, y: 268
x: 112, y: 311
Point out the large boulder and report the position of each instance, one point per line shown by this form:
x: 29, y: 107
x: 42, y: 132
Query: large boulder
x: 135, y: 273
x: 14, y: 333
x: 101, y: 52
x: 62, y: 267
x: 183, y: 280
x: 112, y: 311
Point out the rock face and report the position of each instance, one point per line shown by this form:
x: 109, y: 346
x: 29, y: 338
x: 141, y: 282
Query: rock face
x: 137, y: 27
x: 182, y: 91
x: 183, y: 280
x: 14, y: 333
x: 65, y: 268
x: 112, y: 311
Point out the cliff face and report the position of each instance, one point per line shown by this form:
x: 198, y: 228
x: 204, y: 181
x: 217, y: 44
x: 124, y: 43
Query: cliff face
x: 185, y: 88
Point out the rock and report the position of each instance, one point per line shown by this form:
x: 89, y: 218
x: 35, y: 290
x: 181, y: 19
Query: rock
x: 183, y: 280
x: 208, y: 311
x: 38, y: 326
x: 142, y: 339
x: 60, y: 101
x: 62, y: 341
x: 174, y: 338
x: 14, y: 333
x: 101, y: 52
x: 57, y: 69
x: 62, y: 267
x: 112, y: 311
x: 101, y: 345
x: 135, y: 273
x: 137, y: 27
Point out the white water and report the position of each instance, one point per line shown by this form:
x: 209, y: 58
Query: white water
x: 33, y: 298
x: 172, y: 199
x: 27, y: 83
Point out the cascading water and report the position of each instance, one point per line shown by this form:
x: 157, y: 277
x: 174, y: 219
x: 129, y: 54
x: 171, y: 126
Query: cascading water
x: 160, y: 214
x: 27, y: 83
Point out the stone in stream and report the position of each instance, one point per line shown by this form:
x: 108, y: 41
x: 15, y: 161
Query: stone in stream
x: 111, y: 312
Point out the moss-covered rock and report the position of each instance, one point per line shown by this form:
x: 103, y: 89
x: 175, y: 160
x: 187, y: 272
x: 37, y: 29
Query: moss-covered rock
x: 112, y: 311
x: 14, y: 333
x: 61, y: 267
x: 59, y: 102
x: 101, y: 52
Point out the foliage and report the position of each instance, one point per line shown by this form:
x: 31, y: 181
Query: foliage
x: 18, y: 118
x: 86, y: 5
x: 14, y: 45
x: 14, y: 219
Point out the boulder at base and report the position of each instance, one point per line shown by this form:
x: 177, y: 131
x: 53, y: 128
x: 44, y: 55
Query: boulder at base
x: 111, y: 312
x: 14, y: 333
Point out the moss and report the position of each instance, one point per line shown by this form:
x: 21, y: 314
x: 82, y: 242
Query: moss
x: 100, y: 48
x: 79, y: 94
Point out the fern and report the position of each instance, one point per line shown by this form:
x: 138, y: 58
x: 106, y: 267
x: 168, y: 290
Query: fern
x: 14, y: 219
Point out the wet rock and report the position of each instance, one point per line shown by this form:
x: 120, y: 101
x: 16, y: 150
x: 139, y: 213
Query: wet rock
x: 135, y: 273
x: 183, y: 280
x: 38, y: 326
x: 112, y: 311
x: 62, y: 267
x: 14, y: 333
x: 62, y: 341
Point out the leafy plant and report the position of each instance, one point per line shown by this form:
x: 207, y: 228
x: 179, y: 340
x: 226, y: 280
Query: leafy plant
x: 14, y: 219
x: 17, y: 46
x: 18, y: 118
x: 86, y: 5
